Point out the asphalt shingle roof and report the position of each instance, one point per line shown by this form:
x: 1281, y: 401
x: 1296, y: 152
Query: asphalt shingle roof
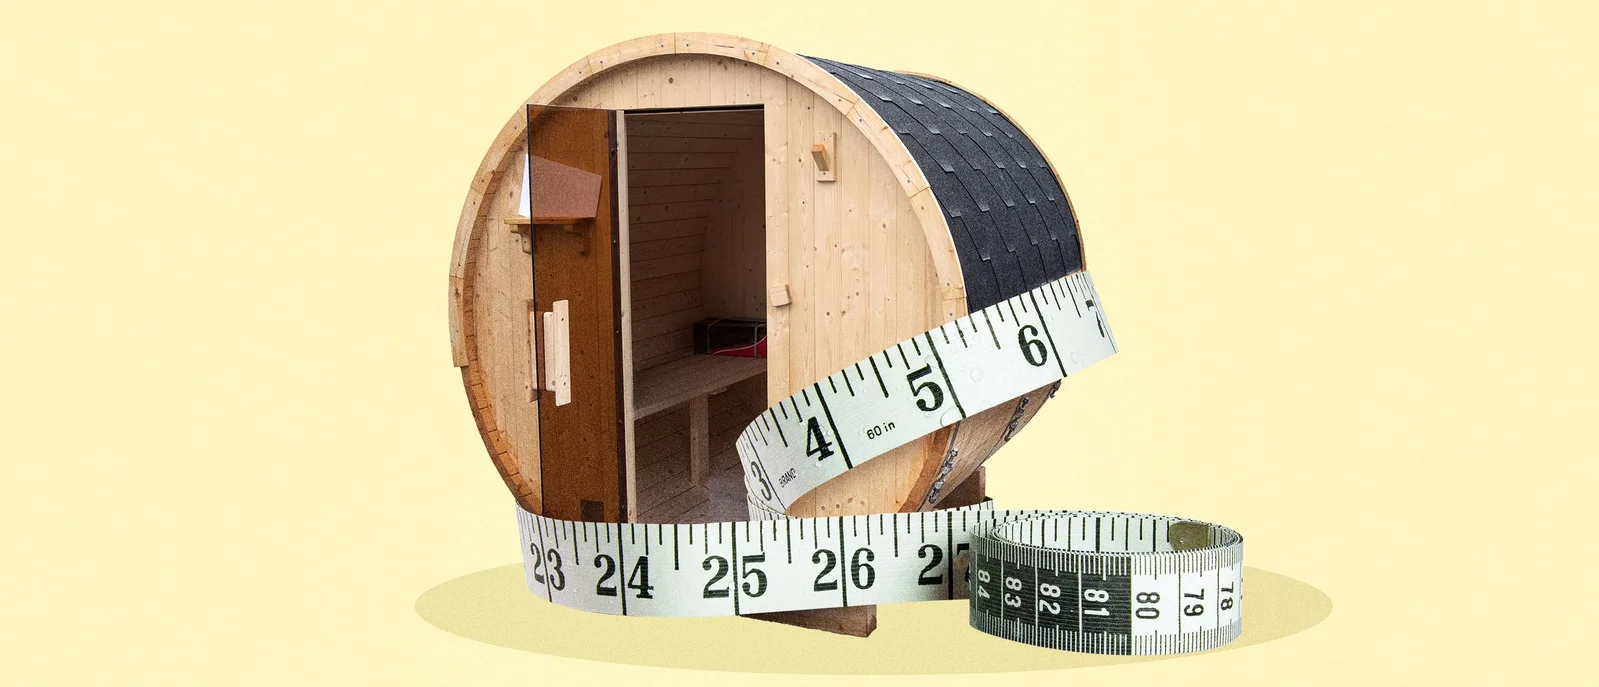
x: 1009, y: 217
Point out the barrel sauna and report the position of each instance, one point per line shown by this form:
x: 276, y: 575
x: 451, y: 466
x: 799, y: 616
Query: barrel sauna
x: 684, y: 176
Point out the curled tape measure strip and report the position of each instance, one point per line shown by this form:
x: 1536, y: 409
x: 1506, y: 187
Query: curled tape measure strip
x: 1117, y: 583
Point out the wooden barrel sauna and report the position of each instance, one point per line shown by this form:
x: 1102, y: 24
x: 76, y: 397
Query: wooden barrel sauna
x: 684, y: 176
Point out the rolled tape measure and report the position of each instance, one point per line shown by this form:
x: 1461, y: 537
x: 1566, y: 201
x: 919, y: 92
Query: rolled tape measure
x: 1112, y: 583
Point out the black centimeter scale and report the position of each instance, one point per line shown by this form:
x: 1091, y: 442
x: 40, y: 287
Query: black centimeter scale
x: 1086, y: 581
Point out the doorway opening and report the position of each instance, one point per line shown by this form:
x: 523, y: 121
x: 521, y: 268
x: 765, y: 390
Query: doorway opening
x: 695, y: 248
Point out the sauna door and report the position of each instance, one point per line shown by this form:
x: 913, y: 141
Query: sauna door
x: 572, y: 199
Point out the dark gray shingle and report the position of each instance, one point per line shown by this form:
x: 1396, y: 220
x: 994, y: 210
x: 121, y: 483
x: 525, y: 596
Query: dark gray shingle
x: 1012, y: 227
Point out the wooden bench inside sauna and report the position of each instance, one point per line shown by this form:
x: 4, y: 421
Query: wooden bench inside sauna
x: 679, y: 177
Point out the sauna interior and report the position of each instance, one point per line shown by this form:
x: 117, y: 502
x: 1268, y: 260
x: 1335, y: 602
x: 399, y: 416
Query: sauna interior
x: 696, y: 249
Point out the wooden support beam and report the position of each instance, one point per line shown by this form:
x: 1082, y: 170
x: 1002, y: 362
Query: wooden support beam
x: 699, y: 439
x: 858, y: 621
x: 970, y: 492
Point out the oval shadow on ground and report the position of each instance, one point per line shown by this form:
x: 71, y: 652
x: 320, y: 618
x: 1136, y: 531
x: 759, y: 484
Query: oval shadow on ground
x: 494, y: 606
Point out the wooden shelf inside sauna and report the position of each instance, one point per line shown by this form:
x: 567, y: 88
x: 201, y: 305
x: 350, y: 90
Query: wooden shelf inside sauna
x: 696, y: 249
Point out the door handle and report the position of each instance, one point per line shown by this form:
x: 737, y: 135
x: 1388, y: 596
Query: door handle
x: 557, y: 366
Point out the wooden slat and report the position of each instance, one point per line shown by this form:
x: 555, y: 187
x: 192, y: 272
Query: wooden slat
x: 678, y: 340
x: 660, y: 286
x: 644, y: 214
x: 647, y: 91
x: 650, y: 178
x: 649, y: 195
x: 641, y: 364
x: 801, y: 330
x: 668, y: 385
x: 645, y: 251
x: 666, y: 322
x: 665, y: 229
x: 660, y: 267
x: 746, y: 88
x: 652, y: 496
x: 677, y: 144
x: 699, y: 438
x: 672, y: 82
x: 655, y: 427
x: 854, y: 158
x: 675, y: 512
x: 744, y: 118
x: 774, y: 99
x: 827, y: 238
x: 696, y: 78
x: 644, y: 161
x: 648, y: 125
x: 625, y: 300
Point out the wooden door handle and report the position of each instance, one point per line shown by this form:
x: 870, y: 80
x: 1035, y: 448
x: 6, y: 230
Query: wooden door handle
x: 557, y: 353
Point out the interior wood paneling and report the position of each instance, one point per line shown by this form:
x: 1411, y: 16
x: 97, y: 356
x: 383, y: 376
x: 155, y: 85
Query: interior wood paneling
x: 695, y: 191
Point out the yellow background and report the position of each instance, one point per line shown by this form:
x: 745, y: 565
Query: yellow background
x: 1347, y: 249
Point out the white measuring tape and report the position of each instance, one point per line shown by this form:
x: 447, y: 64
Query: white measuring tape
x: 1116, y: 583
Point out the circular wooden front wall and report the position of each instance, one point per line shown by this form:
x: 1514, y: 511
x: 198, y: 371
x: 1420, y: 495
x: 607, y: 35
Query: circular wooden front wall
x: 867, y: 259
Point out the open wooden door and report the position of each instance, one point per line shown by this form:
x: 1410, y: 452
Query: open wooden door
x: 574, y: 192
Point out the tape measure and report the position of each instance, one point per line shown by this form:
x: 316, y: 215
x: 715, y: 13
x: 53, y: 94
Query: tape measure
x: 1100, y: 582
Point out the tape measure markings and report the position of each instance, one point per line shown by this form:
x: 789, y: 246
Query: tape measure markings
x: 1026, y: 578
x: 927, y: 401
x: 1174, y: 586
